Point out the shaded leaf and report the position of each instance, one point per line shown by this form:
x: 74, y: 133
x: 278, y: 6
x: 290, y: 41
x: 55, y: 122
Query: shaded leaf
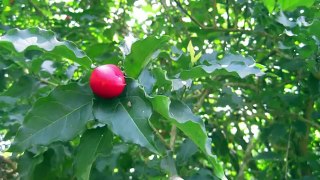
x: 271, y: 156
x: 27, y: 164
x: 58, y: 117
x: 128, y: 116
x: 93, y: 143
x: 147, y: 80
x: 168, y: 164
x: 186, y: 150
x: 26, y: 86
x: 192, y: 126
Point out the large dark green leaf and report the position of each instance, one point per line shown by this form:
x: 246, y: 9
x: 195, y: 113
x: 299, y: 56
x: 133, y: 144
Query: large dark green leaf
x: 180, y: 115
x: 128, y: 116
x: 141, y: 54
x: 59, y: 117
x: 16, y: 40
x: 94, y: 142
x: 231, y: 63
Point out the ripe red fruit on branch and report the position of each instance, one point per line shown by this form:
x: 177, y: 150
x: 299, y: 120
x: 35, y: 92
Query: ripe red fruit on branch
x: 107, y: 81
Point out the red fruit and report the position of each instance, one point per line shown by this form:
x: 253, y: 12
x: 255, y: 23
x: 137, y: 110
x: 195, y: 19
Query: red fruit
x: 107, y: 81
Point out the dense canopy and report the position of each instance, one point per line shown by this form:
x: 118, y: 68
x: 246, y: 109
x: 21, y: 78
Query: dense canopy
x: 214, y: 89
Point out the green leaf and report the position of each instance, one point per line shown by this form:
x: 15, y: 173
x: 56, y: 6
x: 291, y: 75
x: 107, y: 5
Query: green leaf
x: 163, y: 82
x: 231, y: 63
x: 291, y: 5
x: 186, y: 150
x: 168, y: 164
x: 16, y: 40
x: 128, y: 116
x: 314, y: 28
x: 147, y: 80
x: 194, y: 58
x: 191, y: 49
x: 26, y: 86
x: 180, y: 115
x: 27, y: 164
x: 141, y: 54
x: 93, y: 143
x: 270, y: 4
x: 58, y: 117
x: 271, y: 156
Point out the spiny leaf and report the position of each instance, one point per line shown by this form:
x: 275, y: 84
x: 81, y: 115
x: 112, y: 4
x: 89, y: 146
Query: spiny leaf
x: 18, y: 41
x: 231, y: 63
x: 58, y: 117
x: 128, y: 116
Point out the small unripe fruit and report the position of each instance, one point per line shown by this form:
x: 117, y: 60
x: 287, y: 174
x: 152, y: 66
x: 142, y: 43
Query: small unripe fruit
x: 107, y: 81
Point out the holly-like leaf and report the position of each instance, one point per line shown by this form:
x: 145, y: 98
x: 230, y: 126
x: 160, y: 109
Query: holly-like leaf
x: 181, y: 115
x: 93, y: 143
x: 128, y: 116
x: 18, y: 41
x: 58, y: 117
x: 141, y: 54
x: 231, y: 63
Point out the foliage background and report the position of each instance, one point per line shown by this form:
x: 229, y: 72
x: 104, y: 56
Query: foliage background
x: 262, y: 116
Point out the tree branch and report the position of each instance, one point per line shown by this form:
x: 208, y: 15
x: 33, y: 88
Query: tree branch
x: 215, y: 11
x: 173, y: 136
x: 160, y: 136
x: 245, y: 85
x: 198, y: 105
x: 48, y: 82
x: 287, y: 154
x: 246, y: 159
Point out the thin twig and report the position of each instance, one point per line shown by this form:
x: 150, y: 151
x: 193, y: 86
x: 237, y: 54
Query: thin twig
x: 215, y: 11
x: 198, y: 105
x: 193, y: 19
x: 160, y: 136
x: 245, y: 85
x: 246, y: 159
x: 48, y: 82
x: 228, y: 16
x: 314, y: 124
x: 287, y: 154
x: 173, y: 135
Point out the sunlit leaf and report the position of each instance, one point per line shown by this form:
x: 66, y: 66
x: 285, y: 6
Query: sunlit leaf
x: 16, y: 40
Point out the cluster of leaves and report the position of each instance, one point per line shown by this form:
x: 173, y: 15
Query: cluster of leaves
x: 195, y: 104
